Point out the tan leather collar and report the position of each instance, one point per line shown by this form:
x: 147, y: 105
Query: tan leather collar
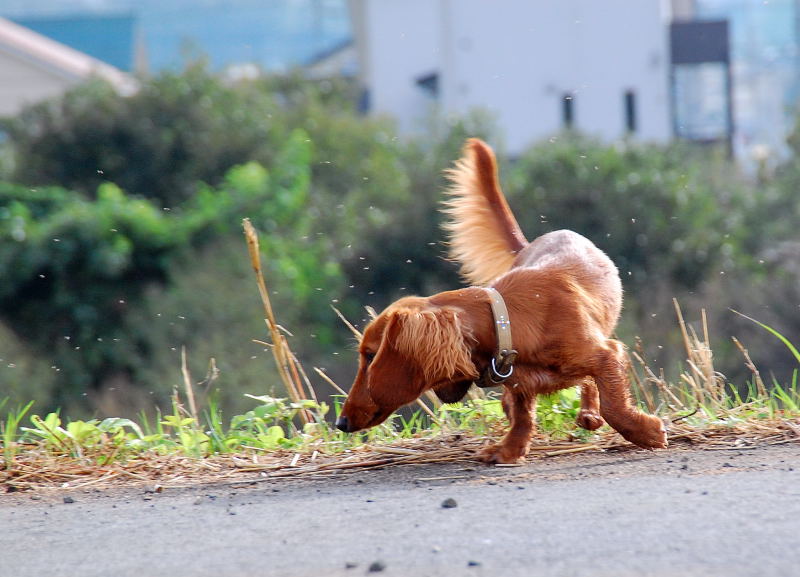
x: 501, y: 321
x: 502, y: 364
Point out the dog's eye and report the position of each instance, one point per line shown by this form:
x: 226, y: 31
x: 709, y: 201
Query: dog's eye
x: 368, y: 358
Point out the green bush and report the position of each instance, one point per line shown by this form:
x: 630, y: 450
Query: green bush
x: 75, y: 269
x: 651, y: 208
x: 177, y: 130
x: 400, y: 249
x: 24, y: 375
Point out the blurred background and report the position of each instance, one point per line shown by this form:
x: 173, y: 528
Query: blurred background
x: 135, y: 136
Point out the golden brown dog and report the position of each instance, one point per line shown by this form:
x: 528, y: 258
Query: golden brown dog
x: 563, y: 297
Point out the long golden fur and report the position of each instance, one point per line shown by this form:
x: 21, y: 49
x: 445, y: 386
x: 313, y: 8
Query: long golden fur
x: 564, y: 298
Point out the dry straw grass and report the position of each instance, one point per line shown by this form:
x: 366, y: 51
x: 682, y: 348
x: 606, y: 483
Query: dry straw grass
x: 40, y: 469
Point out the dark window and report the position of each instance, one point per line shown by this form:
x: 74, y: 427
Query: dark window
x: 363, y: 101
x: 701, y: 81
x: 568, y: 110
x: 630, y: 111
x: 429, y: 83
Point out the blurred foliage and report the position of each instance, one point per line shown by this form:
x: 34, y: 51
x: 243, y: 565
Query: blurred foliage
x: 23, y: 374
x: 120, y: 241
x: 72, y: 268
x: 178, y: 130
x: 653, y: 209
x: 403, y: 251
x: 75, y: 269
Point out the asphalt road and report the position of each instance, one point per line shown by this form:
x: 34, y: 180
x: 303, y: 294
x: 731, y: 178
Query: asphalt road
x: 633, y: 513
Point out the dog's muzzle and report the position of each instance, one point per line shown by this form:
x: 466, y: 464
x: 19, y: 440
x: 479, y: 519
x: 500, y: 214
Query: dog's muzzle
x: 343, y: 424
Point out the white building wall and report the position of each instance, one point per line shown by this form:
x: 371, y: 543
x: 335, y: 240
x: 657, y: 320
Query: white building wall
x: 34, y: 68
x: 402, y: 43
x: 22, y: 83
x: 517, y: 59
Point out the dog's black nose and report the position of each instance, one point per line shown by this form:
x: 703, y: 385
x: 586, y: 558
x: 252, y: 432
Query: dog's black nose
x: 342, y: 424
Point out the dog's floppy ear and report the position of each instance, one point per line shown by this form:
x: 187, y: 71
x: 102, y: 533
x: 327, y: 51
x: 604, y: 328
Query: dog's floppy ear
x: 436, y: 340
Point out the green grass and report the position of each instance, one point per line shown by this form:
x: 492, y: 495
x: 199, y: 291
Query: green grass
x: 9, y: 429
x: 704, y: 397
x: 775, y: 333
x: 271, y: 425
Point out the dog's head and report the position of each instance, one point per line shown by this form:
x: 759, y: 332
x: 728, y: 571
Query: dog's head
x: 411, y: 347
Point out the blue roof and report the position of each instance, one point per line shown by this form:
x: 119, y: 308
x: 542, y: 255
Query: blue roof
x: 275, y: 34
x: 111, y: 39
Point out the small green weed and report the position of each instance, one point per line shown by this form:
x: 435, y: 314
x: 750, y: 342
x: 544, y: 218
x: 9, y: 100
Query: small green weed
x: 8, y: 428
x: 779, y: 336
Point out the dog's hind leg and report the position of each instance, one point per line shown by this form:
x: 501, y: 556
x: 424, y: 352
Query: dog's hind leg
x: 610, y: 374
x: 519, y: 406
x: 589, y: 415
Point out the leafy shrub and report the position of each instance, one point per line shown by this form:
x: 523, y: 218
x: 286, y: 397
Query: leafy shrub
x: 24, y: 375
x: 177, y: 130
x: 651, y: 208
x: 401, y: 249
x: 76, y: 270
x: 72, y: 267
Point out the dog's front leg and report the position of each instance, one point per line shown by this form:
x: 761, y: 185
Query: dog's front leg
x: 518, y: 406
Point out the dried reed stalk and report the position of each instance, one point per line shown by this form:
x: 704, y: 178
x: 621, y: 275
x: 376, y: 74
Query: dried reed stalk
x: 704, y: 381
x: 347, y: 323
x: 691, y: 377
x: 284, y: 358
x: 659, y: 381
x: 759, y: 382
x: 330, y: 381
x: 187, y: 383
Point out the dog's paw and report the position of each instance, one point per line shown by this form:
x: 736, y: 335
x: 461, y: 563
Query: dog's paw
x: 501, y: 454
x: 651, y: 434
x: 589, y: 420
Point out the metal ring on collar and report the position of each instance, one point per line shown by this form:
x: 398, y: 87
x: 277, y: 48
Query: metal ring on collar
x: 501, y: 376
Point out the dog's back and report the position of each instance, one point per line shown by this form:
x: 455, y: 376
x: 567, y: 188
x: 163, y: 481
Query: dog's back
x: 573, y: 253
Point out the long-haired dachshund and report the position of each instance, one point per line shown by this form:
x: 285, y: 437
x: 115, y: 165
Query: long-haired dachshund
x: 538, y: 318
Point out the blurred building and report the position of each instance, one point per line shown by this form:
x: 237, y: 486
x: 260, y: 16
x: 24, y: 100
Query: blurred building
x: 652, y: 70
x: 34, y: 68
x: 765, y: 70
x: 709, y: 71
x: 701, y: 81
x: 537, y: 66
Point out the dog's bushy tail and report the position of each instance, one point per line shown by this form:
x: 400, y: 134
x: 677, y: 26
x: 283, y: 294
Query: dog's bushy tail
x: 484, y: 236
